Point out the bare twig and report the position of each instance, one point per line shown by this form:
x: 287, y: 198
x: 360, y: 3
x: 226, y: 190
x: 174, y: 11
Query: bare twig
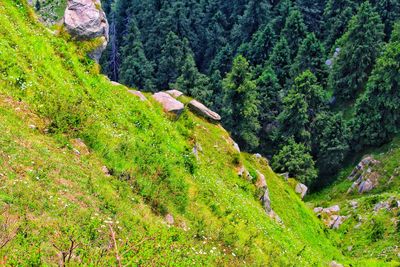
x: 66, y: 255
x: 117, y: 256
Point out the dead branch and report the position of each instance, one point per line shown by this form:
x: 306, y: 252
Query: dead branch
x: 117, y: 256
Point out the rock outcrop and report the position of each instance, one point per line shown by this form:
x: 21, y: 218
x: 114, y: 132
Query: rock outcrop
x: 301, y: 189
x: 169, y: 103
x: 365, y: 179
x: 85, y: 20
x: 138, y: 94
x: 330, y: 216
x: 203, y: 111
x: 265, y: 199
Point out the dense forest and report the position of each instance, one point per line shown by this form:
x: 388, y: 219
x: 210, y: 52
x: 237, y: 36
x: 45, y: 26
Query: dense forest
x: 305, y: 83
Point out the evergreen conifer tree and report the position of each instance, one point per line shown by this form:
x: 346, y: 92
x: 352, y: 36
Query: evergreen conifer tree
x: 360, y: 47
x: 242, y: 104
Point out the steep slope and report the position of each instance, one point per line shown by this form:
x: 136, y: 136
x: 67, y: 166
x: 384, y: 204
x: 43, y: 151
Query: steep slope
x: 372, y: 227
x: 155, y: 202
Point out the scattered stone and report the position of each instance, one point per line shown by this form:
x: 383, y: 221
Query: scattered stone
x: 330, y: 216
x: 202, y: 110
x: 174, y: 93
x: 266, y: 201
x: 365, y: 179
x: 354, y: 204
x: 169, y: 219
x: 337, y: 221
x: 115, y: 83
x: 105, y: 170
x: 301, y: 189
x: 285, y: 175
x: 335, y: 264
x: 258, y: 156
x: 79, y: 147
x: 138, y: 94
x: 382, y: 205
x: 236, y: 147
x: 196, y: 149
x: 318, y: 209
x: 243, y: 172
x: 169, y: 103
x: 261, y: 182
x: 33, y: 127
x: 85, y: 20
x: 272, y: 214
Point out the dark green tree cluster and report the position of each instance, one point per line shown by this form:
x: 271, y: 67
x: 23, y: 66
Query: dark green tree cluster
x: 305, y: 82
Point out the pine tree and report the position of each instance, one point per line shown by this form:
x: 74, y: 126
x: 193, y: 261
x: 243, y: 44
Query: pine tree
x: 378, y: 110
x: 294, y: 31
x: 241, y: 102
x: 330, y: 141
x: 307, y: 85
x: 192, y: 82
x: 280, y: 61
x: 312, y: 11
x: 255, y: 15
x: 337, y: 15
x: 270, y: 105
x: 300, y: 106
x: 223, y: 60
x: 310, y: 57
x: 360, y: 47
x: 389, y: 10
x: 259, y: 48
x: 295, y: 159
x: 135, y: 69
x: 171, y: 60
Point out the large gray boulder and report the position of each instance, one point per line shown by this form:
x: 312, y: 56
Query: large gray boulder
x: 202, y: 110
x: 301, y: 189
x: 169, y: 103
x: 85, y: 20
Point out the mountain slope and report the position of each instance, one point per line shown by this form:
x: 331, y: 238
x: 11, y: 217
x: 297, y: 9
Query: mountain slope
x: 372, y: 227
x: 59, y: 205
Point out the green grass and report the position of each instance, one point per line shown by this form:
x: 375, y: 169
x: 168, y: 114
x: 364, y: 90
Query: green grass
x: 49, y: 195
x: 377, y: 234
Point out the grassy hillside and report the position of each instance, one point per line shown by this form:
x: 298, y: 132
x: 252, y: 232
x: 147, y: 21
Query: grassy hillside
x: 373, y: 227
x: 57, y: 205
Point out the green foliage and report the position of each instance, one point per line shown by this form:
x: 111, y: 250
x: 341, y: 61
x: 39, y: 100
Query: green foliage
x: 310, y: 57
x: 280, y: 61
x: 330, y: 141
x: 337, y: 15
x: 54, y: 195
x: 257, y: 51
x: 360, y: 46
x: 173, y: 55
x: 294, y: 31
x: 242, y: 104
x: 135, y: 69
x: 377, y: 111
x: 300, y: 106
x: 295, y: 159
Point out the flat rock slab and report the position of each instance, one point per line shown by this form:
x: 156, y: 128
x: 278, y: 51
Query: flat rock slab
x: 174, y: 93
x: 202, y: 110
x: 169, y: 103
x: 138, y: 94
